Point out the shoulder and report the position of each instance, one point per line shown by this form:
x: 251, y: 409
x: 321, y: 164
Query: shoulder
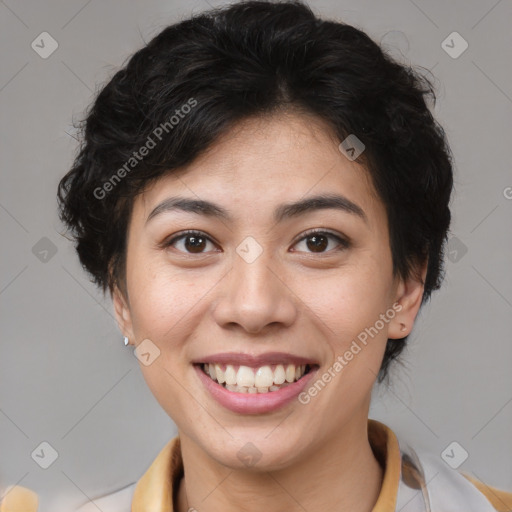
x: 500, y: 500
x: 166, y: 469
x: 17, y: 497
x: 450, y: 489
x: 119, y: 501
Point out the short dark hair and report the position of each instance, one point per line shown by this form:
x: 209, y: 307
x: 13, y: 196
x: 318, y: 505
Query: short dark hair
x: 251, y: 59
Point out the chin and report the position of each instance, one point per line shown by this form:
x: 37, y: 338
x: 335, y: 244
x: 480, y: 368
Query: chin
x: 253, y: 452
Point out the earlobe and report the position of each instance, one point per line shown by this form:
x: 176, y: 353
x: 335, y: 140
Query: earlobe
x: 409, y: 297
x: 123, y: 315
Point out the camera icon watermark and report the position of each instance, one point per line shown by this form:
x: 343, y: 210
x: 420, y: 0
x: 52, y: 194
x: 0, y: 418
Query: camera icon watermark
x: 146, y: 352
x: 454, y: 455
x: 507, y: 192
x: 352, y: 147
x: 44, y: 455
x: 454, y: 45
x: 44, y: 45
x: 249, y: 249
x: 249, y: 454
x: 44, y: 250
x: 456, y: 249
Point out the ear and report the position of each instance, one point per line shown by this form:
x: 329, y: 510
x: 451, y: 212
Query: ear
x: 408, y: 299
x: 123, y: 315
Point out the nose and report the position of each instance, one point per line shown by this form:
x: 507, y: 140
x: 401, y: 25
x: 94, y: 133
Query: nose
x: 254, y: 297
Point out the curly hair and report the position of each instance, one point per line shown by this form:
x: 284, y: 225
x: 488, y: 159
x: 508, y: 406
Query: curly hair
x: 251, y: 59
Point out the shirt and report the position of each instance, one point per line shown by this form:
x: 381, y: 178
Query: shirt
x: 447, y: 490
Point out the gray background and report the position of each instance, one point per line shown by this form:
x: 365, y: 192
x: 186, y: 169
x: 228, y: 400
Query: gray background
x: 66, y: 377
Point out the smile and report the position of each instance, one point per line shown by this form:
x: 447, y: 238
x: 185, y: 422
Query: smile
x: 254, y: 384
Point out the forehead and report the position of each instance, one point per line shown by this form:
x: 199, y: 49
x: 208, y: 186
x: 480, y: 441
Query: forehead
x: 264, y: 161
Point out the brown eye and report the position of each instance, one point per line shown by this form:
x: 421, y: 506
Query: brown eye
x: 195, y: 243
x: 318, y: 242
x: 192, y: 242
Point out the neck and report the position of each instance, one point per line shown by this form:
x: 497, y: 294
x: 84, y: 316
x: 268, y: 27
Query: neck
x: 342, y: 474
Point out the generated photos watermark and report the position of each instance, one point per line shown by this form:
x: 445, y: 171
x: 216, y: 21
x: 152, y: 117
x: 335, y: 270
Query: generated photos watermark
x: 343, y: 360
x: 151, y: 142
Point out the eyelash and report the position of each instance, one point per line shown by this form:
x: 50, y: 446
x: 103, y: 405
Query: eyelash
x: 343, y: 242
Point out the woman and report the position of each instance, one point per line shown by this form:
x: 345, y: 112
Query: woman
x: 266, y: 197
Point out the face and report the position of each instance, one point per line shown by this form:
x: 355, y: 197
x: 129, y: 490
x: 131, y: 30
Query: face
x: 288, y: 298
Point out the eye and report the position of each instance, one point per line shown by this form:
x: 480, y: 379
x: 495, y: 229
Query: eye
x: 317, y: 241
x: 193, y: 242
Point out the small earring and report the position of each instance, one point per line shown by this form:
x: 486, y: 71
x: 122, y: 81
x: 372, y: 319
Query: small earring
x: 403, y: 327
x: 126, y: 341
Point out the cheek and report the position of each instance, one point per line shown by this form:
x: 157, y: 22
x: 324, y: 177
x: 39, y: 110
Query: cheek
x: 350, y: 300
x: 164, y: 301
x: 164, y: 309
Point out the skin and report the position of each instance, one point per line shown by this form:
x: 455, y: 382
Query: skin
x: 292, y: 299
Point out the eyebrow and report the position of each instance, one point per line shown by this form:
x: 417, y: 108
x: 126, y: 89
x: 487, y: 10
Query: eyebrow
x: 282, y: 212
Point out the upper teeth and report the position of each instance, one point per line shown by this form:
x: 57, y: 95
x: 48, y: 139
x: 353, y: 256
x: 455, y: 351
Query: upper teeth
x: 262, y: 377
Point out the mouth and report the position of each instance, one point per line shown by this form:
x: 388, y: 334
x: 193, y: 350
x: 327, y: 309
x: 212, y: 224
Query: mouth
x: 255, y: 384
x: 255, y: 379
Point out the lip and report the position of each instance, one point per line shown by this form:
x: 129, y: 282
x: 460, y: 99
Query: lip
x: 255, y: 361
x: 254, y: 403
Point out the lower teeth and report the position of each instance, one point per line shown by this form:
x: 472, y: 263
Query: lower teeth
x: 244, y: 389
